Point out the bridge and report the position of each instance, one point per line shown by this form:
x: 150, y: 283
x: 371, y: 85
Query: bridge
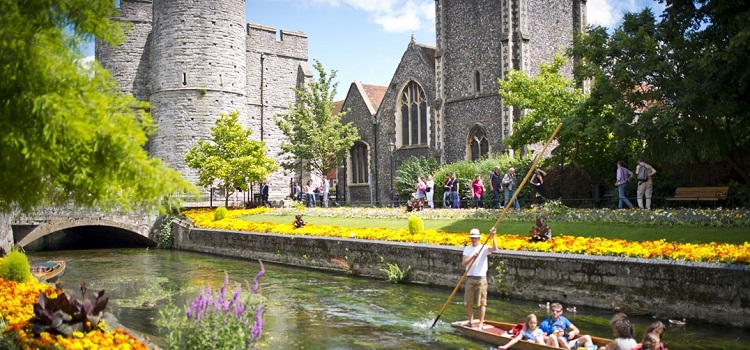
x: 78, y: 228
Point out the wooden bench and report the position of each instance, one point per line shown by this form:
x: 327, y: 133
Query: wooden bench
x: 700, y: 194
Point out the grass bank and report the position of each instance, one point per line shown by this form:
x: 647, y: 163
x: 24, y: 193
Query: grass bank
x: 679, y: 234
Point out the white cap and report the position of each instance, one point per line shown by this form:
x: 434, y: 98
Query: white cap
x: 474, y: 233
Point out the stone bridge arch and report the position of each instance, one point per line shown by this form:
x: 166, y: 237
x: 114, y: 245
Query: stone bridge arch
x: 58, y: 224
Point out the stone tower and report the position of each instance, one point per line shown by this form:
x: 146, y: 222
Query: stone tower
x: 479, y: 42
x: 192, y: 59
x: 128, y: 63
x: 198, y: 69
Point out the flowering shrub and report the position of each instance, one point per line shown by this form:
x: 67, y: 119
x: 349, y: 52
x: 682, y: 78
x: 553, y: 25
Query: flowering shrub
x: 214, y: 321
x: 712, y: 252
x: 16, y: 307
x: 552, y: 213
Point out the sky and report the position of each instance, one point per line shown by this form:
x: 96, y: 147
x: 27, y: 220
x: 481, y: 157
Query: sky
x: 365, y: 39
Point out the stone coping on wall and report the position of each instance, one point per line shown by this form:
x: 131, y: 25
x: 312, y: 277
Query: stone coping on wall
x: 705, y: 292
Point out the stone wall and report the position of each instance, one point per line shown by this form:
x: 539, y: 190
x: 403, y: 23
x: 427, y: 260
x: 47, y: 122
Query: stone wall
x: 713, y: 293
x: 6, y: 232
x: 274, y: 67
x: 128, y: 63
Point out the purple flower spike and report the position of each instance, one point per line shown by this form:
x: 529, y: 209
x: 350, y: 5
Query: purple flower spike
x: 257, y: 277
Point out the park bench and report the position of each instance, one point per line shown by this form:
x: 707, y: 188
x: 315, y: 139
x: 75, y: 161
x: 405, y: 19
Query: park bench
x: 700, y: 194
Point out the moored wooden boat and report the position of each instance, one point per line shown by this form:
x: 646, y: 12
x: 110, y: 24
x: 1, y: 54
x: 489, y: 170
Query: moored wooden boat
x: 48, y: 271
x: 496, y: 333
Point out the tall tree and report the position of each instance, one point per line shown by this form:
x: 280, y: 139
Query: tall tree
x: 549, y: 99
x: 678, y: 86
x: 317, y: 140
x: 68, y: 133
x: 230, y: 159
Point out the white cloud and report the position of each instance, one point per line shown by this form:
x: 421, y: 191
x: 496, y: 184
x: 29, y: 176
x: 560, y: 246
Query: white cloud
x: 608, y: 13
x: 600, y: 12
x: 394, y: 15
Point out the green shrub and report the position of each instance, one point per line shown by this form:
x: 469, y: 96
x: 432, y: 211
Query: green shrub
x: 221, y: 213
x: 166, y: 236
x: 15, y: 267
x: 416, y: 224
x: 409, y: 172
x: 394, y: 272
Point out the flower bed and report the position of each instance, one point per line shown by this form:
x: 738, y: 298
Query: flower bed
x: 552, y: 212
x: 712, y: 252
x: 16, y: 307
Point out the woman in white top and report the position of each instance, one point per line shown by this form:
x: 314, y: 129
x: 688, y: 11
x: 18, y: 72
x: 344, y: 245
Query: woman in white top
x: 430, y: 192
x: 624, y: 333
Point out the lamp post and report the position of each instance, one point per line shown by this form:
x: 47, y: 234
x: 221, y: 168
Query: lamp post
x: 392, y: 148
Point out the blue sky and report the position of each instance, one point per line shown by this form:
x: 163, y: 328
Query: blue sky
x: 365, y: 39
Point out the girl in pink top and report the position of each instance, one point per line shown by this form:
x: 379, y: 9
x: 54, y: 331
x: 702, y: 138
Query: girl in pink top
x: 477, y: 189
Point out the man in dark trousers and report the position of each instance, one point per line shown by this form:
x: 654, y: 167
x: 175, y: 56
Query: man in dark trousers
x: 264, y: 194
x: 496, y: 185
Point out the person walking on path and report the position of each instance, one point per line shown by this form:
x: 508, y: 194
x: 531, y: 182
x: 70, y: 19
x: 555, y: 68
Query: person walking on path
x: 477, y: 190
x: 509, y: 182
x: 645, y: 183
x: 430, y: 192
x: 623, y: 178
x: 264, y: 195
x: 496, y: 185
x: 475, y: 291
x: 537, y: 180
x: 455, y: 187
x: 447, y: 199
x: 325, y: 188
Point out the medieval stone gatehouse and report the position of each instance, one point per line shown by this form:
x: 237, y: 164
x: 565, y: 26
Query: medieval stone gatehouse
x: 194, y: 59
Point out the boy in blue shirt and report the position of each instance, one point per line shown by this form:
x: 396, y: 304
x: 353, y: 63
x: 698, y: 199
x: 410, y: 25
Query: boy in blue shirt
x: 556, y: 325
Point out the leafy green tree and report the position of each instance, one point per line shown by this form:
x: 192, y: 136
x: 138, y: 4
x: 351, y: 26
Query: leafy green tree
x: 677, y: 88
x: 409, y: 172
x: 549, y: 97
x: 68, y: 133
x: 230, y: 157
x: 317, y: 140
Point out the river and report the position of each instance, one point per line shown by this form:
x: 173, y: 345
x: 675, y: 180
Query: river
x: 308, y: 309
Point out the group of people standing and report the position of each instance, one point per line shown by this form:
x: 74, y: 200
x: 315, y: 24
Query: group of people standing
x: 310, y: 191
x: 508, y: 182
x: 644, y: 173
x: 556, y: 330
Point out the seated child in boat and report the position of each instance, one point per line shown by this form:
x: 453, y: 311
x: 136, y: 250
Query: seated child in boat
x: 529, y: 332
x: 624, y: 333
x: 650, y: 341
x: 557, y: 325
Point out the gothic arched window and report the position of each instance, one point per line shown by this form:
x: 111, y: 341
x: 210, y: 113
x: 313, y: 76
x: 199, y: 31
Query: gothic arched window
x: 360, y: 172
x: 413, y: 115
x: 479, y: 145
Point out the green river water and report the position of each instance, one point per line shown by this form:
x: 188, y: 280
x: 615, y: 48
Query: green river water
x: 308, y: 309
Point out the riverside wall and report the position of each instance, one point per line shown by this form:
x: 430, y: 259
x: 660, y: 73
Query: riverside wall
x: 711, y: 293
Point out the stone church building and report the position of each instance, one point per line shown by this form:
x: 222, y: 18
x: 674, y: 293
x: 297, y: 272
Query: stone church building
x: 192, y: 59
x: 443, y: 101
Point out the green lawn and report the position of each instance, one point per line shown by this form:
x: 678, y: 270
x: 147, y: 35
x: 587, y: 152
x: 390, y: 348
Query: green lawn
x: 679, y: 234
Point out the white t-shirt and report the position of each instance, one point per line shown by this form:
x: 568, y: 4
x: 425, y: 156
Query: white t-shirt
x: 480, y: 265
x: 326, y: 186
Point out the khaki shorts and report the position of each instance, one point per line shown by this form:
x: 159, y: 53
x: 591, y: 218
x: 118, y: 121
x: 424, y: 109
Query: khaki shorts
x: 475, y: 293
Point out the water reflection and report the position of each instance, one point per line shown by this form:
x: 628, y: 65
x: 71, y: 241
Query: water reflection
x: 308, y: 309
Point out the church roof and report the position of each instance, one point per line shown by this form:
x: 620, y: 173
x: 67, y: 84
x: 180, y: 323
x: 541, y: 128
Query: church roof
x: 374, y: 93
x: 336, y: 107
x: 429, y: 51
